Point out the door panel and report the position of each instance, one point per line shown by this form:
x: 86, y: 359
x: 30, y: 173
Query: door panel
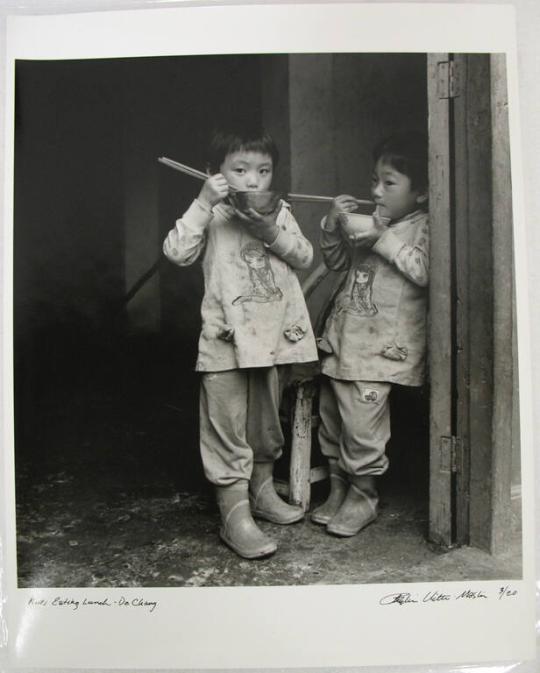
x: 440, y: 307
x: 462, y: 303
x: 474, y: 297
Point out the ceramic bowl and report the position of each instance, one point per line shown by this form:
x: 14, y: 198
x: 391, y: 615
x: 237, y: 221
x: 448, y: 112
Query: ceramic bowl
x: 355, y: 223
x: 263, y: 203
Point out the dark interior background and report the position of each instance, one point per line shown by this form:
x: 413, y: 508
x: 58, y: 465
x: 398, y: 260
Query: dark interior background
x: 109, y: 388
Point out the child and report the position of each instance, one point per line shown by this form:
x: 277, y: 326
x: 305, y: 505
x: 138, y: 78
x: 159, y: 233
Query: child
x: 254, y: 319
x: 375, y: 333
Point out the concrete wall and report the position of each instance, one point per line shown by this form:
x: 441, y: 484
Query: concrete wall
x: 88, y: 194
x: 67, y: 180
x: 68, y: 238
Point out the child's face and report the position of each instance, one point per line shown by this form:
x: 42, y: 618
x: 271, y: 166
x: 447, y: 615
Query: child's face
x: 392, y: 192
x: 248, y: 171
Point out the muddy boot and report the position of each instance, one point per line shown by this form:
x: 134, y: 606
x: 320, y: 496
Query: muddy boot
x: 338, y: 491
x: 238, y: 530
x: 265, y: 502
x: 358, y: 509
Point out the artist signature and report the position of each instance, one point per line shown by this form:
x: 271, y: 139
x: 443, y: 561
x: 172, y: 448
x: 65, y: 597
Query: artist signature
x: 407, y: 598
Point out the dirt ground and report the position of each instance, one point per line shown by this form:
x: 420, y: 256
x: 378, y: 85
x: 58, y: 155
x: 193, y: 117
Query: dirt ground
x: 110, y: 493
x: 73, y: 532
x: 68, y: 538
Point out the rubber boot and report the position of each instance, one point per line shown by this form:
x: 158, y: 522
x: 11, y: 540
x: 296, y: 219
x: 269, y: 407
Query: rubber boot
x: 358, y: 509
x: 338, y: 490
x: 265, y: 502
x: 238, y: 530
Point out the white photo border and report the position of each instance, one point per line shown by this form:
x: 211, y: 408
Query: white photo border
x: 194, y: 628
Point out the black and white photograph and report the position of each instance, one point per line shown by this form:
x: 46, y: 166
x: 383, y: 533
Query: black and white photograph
x: 266, y: 337
x: 148, y: 451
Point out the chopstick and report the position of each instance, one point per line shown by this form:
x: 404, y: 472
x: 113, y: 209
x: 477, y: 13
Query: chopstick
x: 309, y: 198
x: 183, y: 168
x: 306, y: 198
x: 188, y: 170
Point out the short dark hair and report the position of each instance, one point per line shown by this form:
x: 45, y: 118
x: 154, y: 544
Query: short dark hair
x: 406, y: 152
x: 230, y: 140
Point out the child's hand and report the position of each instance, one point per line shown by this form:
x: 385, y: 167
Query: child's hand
x: 367, y: 239
x: 263, y: 227
x: 341, y: 204
x: 214, y: 190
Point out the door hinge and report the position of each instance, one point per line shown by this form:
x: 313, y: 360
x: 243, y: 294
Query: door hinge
x: 448, y: 82
x: 450, y: 450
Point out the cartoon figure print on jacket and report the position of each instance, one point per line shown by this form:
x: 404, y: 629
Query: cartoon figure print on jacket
x: 261, y: 277
x: 376, y: 330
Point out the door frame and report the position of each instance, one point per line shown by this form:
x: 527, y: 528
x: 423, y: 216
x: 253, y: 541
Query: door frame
x: 440, y: 307
x: 471, y: 301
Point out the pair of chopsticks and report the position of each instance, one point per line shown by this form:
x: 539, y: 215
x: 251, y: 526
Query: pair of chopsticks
x: 183, y: 168
x: 305, y: 198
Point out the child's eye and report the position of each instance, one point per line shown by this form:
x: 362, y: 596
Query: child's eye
x: 239, y: 171
x: 389, y: 183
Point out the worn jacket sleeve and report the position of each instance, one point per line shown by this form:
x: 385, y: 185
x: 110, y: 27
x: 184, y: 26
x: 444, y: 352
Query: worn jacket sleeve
x: 290, y: 244
x: 335, y: 251
x: 411, y: 260
x: 186, y: 241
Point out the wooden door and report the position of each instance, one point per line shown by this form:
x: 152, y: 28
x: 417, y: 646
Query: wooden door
x: 470, y: 301
x: 440, y: 344
x: 484, y: 385
x: 473, y: 263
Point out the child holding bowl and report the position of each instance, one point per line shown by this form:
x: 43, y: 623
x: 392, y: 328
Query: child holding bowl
x: 254, y: 321
x: 375, y: 335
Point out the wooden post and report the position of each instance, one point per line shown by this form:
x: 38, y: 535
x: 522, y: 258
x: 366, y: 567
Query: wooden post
x: 474, y: 259
x: 502, y: 306
x: 483, y: 312
x: 299, y: 471
x: 462, y: 303
x: 474, y: 299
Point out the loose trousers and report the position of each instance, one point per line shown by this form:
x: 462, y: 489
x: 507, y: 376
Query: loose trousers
x: 355, y: 424
x: 239, y: 422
